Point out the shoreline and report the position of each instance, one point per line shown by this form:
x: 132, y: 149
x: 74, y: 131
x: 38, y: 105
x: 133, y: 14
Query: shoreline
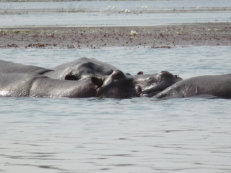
x: 159, y: 36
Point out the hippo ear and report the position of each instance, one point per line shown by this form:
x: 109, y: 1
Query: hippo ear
x: 97, y: 81
x: 178, y: 78
x: 117, y: 74
x: 166, y: 74
x: 140, y: 73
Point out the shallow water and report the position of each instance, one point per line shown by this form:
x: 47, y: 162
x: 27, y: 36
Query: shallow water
x: 112, y: 135
x: 113, y: 13
x: 108, y: 5
x: 112, y: 19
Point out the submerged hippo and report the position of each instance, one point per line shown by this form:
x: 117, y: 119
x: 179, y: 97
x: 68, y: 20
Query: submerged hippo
x: 214, y: 85
x: 116, y: 85
x: 119, y: 85
x: 74, y: 70
x: 110, y: 81
x: 151, y: 84
x: 24, y: 85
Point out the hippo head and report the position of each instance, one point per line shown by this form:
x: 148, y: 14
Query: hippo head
x: 117, y: 85
x: 151, y: 84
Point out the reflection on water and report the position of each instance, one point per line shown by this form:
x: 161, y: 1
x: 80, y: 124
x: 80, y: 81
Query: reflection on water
x: 130, y: 135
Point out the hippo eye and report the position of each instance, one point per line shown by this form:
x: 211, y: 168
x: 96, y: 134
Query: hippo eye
x: 71, y: 77
x: 109, y: 72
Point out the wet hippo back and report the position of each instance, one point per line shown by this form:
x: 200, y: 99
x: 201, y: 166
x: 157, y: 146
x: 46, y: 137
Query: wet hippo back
x: 25, y: 85
x: 214, y: 85
x: 47, y: 87
x: 10, y: 67
x: 15, y: 84
x: 81, y: 68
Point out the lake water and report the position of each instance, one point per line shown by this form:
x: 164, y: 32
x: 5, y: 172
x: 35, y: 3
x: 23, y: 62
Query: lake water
x: 111, y: 135
x: 113, y: 13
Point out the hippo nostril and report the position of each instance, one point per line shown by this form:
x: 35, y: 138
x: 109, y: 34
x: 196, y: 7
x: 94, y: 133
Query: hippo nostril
x: 118, y: 74
x: 71, y: 77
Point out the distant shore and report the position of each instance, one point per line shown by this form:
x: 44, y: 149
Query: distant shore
x: 163, y: 36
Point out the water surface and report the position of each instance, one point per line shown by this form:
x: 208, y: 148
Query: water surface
x: 113, y: 13
x: 112, y: 135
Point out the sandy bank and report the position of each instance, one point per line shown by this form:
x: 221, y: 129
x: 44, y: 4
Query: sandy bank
x: 164, y: 36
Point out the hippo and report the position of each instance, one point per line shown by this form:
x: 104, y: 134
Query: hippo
x: 151, y: 84
x: 74, y: 70
x: 120, y: 85
x: 10, y: 67
x: 81, y: 68
x: 110, y: 81
x: 213, y: 85
x: 116, y: 85
x: 25, y: 85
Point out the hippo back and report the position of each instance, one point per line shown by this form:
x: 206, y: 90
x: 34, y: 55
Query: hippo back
x: 10, y: 67
x: 212, y: 85
x: 15, y: 84
x: 81, y: 68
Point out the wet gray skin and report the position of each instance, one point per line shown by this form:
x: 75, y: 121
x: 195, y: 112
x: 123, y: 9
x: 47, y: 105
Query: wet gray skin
x: 119, y: 85
x: 81, y: 68
x: 208, y: 85
x: 26, y: 85
x: 10, y: 67
x: 110, y: 81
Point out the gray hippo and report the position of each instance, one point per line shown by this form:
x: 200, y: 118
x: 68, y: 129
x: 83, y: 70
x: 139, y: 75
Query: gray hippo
x: 151, y: 84
x: 148, y: 84
x: 116, y: 85
x: 119, y: 85
x: 25, y: 85
x: 74, y: 70
x: 81, y: 68
x: 214, y: 85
